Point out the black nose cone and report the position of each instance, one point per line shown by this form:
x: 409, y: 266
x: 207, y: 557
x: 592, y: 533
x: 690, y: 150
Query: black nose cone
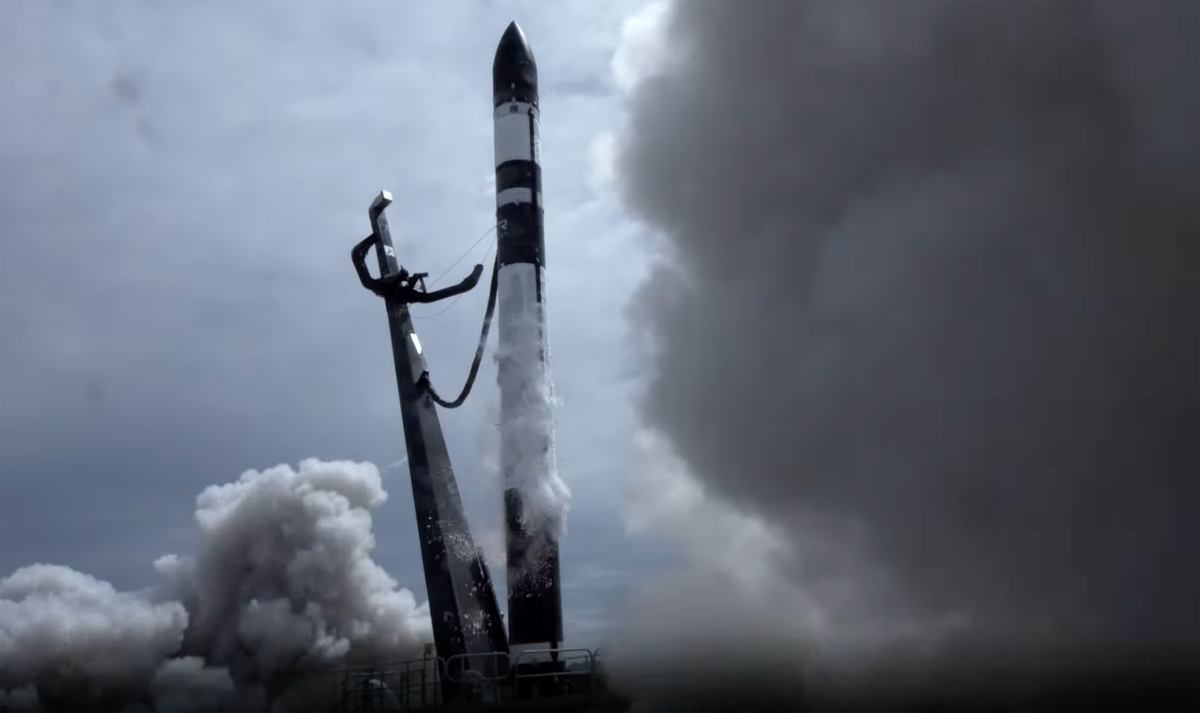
x: 514, y: 71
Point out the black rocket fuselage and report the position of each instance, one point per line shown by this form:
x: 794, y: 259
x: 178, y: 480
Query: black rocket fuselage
x: 527, y: 443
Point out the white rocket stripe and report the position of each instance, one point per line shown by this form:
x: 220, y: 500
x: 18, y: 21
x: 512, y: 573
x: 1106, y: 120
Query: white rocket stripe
x: 516, y: 195
x: 512, y: 139
x: 512, y: 133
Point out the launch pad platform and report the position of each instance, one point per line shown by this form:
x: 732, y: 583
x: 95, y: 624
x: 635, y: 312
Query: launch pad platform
x: 576, y: 682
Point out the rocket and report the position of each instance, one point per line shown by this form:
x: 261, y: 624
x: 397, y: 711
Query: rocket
x: 523, y: 364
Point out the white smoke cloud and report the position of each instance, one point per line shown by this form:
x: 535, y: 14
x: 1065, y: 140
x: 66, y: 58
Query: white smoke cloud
x: 526, y: 432
x: 66, y: 628
x: 602, y: 169
x: 921, y: 328
x: 281, y: 586
x: 643, y: 49
x: 733, y: 599
x: 184, y: 685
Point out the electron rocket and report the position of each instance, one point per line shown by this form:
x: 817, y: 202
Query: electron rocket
x: 523, y: 360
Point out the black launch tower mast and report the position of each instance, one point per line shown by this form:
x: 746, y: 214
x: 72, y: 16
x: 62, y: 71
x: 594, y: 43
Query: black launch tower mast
x: 468, y: 631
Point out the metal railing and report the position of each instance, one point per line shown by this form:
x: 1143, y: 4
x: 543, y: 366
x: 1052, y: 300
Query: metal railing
x: 573, y: 673
x: 485, y: 678
x: 481, y: 677
x: 401, y: 685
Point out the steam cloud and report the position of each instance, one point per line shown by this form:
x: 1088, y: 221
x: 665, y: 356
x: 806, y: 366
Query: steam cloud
x: 282, y: 586
x: 527, y: 430
x: 927, y: 312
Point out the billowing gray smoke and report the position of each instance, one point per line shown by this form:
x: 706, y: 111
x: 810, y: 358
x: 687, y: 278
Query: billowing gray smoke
x: 929, y: 301
x: 282, y: 586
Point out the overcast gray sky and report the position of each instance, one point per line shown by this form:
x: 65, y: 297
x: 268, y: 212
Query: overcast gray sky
x: 866, y: 429
x: 181, y: 185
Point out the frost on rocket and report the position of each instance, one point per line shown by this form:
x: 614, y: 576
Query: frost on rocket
x: 281, y: 586
x: 527, y: 397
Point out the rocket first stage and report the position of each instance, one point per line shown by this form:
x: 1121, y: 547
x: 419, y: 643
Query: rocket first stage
x: 533, y: 511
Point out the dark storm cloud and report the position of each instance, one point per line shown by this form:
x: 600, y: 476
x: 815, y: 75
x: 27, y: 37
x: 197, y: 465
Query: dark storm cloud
x: 931, y: 277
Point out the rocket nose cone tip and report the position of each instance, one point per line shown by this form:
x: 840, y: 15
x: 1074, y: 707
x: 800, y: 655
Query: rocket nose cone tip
x: 513, y: 48
x: 514, y: 71
x: 512, y: 39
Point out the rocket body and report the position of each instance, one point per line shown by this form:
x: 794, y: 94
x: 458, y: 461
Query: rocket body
x: 534, y: 497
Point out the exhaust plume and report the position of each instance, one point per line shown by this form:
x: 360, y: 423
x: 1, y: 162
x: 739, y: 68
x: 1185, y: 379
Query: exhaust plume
x: 280, y: 589
x: 927, y: 307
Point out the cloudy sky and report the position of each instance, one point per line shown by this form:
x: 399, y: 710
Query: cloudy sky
x: 181, y: 185
x: 920, y: 360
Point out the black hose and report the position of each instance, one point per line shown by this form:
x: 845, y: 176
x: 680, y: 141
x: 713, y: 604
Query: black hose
x: 487, y: 323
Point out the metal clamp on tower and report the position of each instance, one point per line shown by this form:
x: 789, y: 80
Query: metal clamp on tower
x: 399, y: 286
x: 395, y: 283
